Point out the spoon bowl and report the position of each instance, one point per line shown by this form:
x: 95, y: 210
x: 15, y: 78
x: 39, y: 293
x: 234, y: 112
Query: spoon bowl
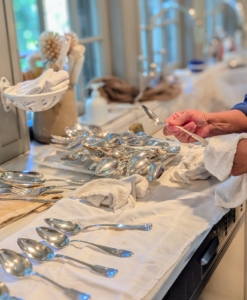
x: 4, y: 291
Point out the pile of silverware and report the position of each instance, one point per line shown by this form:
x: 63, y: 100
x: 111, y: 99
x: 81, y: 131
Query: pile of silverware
x: 20, y: 266
x: 117, y: 155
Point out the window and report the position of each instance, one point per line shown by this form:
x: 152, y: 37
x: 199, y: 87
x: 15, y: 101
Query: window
x: 164, y: 33
x: 86, y: 18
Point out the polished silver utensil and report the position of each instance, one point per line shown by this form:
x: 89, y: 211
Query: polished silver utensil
x: 34, y: 192
x: 36, y: 200
x: 41, y: 252
x: 60, y: 240
x: 4, y: 293
x: 156, y: 121
x: 155, y: 171
x: 74, y: 228
x: 138, y: 165
x: 33, y: 181
x: 23, y: 173
x: 19, y: 266
x: 107, y: 166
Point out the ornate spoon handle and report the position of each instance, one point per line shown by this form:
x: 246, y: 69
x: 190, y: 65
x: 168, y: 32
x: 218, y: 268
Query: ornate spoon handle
x: 107, y: 272
x: 144, y: 227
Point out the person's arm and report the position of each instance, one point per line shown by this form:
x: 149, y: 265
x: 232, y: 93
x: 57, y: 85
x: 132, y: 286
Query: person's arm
x: 240, y: 159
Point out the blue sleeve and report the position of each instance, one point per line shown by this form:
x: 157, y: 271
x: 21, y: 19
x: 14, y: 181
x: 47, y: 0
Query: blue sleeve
x: 242, y: 106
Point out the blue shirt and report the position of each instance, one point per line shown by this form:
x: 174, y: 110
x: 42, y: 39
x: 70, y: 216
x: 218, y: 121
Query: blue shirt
x: 242, y: 106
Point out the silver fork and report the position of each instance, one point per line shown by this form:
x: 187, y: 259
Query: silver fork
x: 31, y: 192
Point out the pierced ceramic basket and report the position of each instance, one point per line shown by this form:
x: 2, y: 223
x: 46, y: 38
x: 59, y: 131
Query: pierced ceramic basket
x: 35, y: 103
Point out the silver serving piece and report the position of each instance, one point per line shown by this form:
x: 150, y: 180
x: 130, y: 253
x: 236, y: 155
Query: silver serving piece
x: 60, y: 240
x: 74, y: 228
x: 155, y: 171
x: 19, y: 266
x: 156, y: 121
x: 41, y: 252
x: 4, y: 293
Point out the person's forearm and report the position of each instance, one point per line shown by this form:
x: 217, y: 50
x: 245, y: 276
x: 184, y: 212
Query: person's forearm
x: 233, y: 121
x: 240, y: 160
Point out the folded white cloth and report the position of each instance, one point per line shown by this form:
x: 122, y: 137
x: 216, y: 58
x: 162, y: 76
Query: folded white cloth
x: 191, y: 166
x: 35, y: 86
x: 58, y: 79
x: 232, y: 192
x: 220, y: 152
x: 176, y: 223
x: 219, y: 156
x: 117, y: 194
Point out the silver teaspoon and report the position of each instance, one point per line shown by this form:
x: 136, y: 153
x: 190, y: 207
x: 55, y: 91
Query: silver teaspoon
x: 156, y: 121
x: 4, y: 293
x: 41, y: 252
x: 19, y: 266
x: 60, y: 240
x: 74, y: 228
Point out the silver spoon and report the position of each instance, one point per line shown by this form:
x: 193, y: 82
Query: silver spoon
x: 155, y: 171
x: 4, y: 293
x: 156, y: 121
x: 74, y: 228
x: 60, y: 240
x: 22, y: 173
x: 19, y: 266
x: 41, y: 252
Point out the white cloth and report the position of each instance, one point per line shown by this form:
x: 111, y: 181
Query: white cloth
x: 117, y: 194
x: 58, y: 80
x: 191, y: 166
x: 176, y: 223
x: 219, y: 156
x: 220, y: 152
x: 232, y: 192
x: 35, y: 86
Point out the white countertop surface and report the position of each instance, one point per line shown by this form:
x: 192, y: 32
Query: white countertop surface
x: 24, y: 162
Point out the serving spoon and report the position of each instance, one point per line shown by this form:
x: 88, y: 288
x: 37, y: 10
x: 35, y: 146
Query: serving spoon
x: 74, y: 228
x: 19, y: 266
x: 60, y: 240
x: 41, y: 252
x: 157, y: 121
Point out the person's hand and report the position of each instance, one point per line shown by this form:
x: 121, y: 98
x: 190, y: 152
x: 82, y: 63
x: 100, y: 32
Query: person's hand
x: 192, y: 120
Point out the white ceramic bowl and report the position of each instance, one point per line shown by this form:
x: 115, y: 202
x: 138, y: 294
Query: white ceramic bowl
x: 34, y: 103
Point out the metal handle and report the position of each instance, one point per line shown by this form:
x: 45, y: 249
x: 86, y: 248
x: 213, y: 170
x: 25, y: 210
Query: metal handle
x: 73, y: 294
x: 4, y: 83
x: 113, y: 251
x: 210, y: 252
x: 107, y: 272
x: 144, y: 227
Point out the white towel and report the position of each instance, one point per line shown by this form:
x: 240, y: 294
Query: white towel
x: 36, y: 86
x: 191, y: 166
x: 117, y: 194
x: 57, y: 79
x: 232, y: 192
x: 219, y: 156
x: 176, y: 223
x: 220, y: 152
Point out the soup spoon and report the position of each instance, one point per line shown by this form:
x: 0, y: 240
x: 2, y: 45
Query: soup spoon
x: 156, y: 121
x: 19, y: 266
x: 60, y: 240
x: 41, y: 252
x: 74, y: 228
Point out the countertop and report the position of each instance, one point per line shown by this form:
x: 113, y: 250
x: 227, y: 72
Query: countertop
x: 24, y: 162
